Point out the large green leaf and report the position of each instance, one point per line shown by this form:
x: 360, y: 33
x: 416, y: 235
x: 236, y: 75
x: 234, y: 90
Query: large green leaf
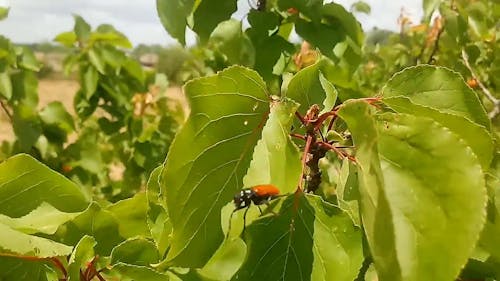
x: 131, y: 215
x: 25, y: 183
x: 439, y: 88
x: 443, y: 181
x: 44, y: 219
x: 490, y: 238
x: 173, y: 14
x: 209, y: 157
x: 226, y: 261
x: 209, y: 13
x: 375, y: 212
x: 12, y: 268
x: 308, y: 240
x: 309, y: 87
x: 18, y: 243
x: 276, y: 159
x: 426, y: 171
x: 476, y: 136
x: 230, y: 40
x: 137, y: 251
x: 139, y: 272
x: 100, y: 224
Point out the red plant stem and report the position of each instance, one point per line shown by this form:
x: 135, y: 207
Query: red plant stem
x: 60, y: 266
x: 340, y: 153
x: 304, y: 157
x: 298, y: 136
x: 302, y: 120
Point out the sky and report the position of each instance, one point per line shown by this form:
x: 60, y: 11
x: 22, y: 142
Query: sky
x: 31, y: 21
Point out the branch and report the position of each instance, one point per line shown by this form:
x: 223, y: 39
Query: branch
x: 486, y: 92
x: 4, y: 107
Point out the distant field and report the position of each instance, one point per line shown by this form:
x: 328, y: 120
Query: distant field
x: 63, y: 90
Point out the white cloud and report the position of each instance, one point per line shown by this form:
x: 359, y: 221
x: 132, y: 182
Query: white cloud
x: 41, y: 20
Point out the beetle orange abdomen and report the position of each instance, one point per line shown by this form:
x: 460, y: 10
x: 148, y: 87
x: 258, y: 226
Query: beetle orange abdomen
x: 265, y: 190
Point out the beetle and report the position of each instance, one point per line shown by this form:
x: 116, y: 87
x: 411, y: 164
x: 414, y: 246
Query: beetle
x: 258, y: 195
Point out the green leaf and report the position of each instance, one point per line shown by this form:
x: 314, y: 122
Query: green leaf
x: 137, y: 272
x: 429, y: 7
x: 95, y: 222
x: 81, y: 29
x: 438, y: 88
x: 108, y: 34
x: 476, y: 136
x: 268, y: 51
x: 310, y: 8
x: 308, y: 240
x: 230, y: 40
x: 136, y: 251
x: 89, y: 83
x: 276, y: 158
x: 490, y: 237
x: 209, y: 13
x: 28, y: 60
x: 68, y: 38
x: 18, y: 243
x: 208, y: 158
x: 443, y: 180
x: 44, y: 219
x: 336, y: 15
x: 5, y: 85
x: 361, y: 7
x: 134, y: 68
x: 226, y: 261
x: 25, y: 183
x: 24, y: 88
x: 131, y: 215
x: 26, y: 125
x: 309, y: 87
x: 97, y: 60
x: 158, y: 221
x: 173, y: 14
x: 82, y: 254
x: 12, y: 268
x: 56, y: 120
x: 4, y: 12
x: 321, y: 35
x: 375, y: 212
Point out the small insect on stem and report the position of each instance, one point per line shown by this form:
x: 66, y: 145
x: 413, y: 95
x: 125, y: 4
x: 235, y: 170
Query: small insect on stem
x: 258, y: 195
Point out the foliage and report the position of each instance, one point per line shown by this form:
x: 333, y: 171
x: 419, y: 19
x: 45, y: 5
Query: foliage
x: 124, y: 121
x: 386, y: 171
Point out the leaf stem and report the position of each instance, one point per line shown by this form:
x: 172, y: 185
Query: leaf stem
x: 486, y: 92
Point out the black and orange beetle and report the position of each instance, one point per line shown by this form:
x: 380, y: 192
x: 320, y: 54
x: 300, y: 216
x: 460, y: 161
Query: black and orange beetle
x: 258, y: 195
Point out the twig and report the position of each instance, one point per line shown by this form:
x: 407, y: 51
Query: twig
x: 4, y: 107
x: 436, y: 45
x: 486, y: 92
